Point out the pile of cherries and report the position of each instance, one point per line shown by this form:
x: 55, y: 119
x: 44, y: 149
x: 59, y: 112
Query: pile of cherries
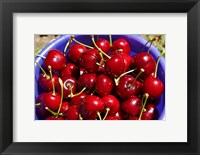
x: 98, y: 82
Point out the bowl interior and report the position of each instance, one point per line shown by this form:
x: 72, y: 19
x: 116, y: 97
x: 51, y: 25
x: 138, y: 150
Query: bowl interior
x: 136, y: 42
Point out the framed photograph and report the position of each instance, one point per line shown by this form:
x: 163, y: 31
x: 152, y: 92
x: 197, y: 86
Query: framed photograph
x: 118, y: 75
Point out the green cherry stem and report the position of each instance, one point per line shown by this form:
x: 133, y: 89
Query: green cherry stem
x: 143, y: 105
x: 80, y: 117
x: 117, y: 80
x: 50, y: 71
x: 67, y: 45
x: 71, y: 95
x: 92, y: 36
x: 37, y: 55
x: 61, y: 85
x: 156, y: 69
x: 110, y: 37
x: 81, y: 43
x: 98, y: 113
x: 47, y: 76
x: 137, y: 76
x: 38, y: 104
x: 52, y: 112
x: 107, y: 111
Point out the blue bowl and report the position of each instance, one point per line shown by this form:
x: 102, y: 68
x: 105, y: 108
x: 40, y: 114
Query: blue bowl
x: 136, y: 43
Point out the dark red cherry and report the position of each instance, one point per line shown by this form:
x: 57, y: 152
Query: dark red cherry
x: 55, y: 59
x: 72, y: 113
x: 87, y: 80
x: 52, y: 101
x: 77, y: 100
x: 92, y: 105
x: 144, y: 61
x: 121, y: 46
x: 149, y: 113
x: 116, y: 116
x: 153, y: 87
x: 46, y: 82
x: 75, y: 52
x: 54, y: 118
x: 133, y: 118
x: 70, y: 70
x: 128, y: 86
x: 89, y: 60
x: 104, y: 85
x: 115, y: 66
x: 69, y: 83
x: 64, y: 107
x: 82, y: 71
x: 103, y: 44
x: 112, y: 103
x: 127, y: 60
x: 132, y: 106
x: 40, y: 108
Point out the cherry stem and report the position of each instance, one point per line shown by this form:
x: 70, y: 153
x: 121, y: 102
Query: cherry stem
x: 61, y: 85
x: 67, y: 45
x: 40, y: 56
x: 52, y: 80
x: 92, y: 36
x: 45, y: 73
x: 141, y: 71
x: 38, y: 104
x: 151, y: 44
x: 156, y: 69
x: 117, y: 80
x: 71, y: 93
x: 107, y: 111
x: 80, y: 117
x: 110, y: 36
x: 143, y: 105
x: 52, y: 112
x: 81, y: 43
x: 98, y: 113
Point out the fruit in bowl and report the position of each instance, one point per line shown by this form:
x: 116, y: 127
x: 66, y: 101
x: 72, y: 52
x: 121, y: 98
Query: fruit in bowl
x: 100, y: 77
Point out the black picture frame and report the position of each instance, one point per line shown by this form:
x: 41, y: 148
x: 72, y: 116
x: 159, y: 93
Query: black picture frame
x: 8, y: 7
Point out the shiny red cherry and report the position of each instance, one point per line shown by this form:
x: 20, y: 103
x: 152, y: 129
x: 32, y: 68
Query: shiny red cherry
x: 77, y: 100
x: 52, y: 101
x: 55, y: 59
x: 149, y: 113
x: 104, y: 85
x: 72, y: 113
x: 127, y: 60
x: 40, y: 108
x: 64, y: 107
x: 75, y: 52
x: 132, y: 106
x: 87, y: 80
x: 70, y: 69
x: 153, y: 87
x: 112, y: 103
x: 89, y: 60
x: 128, y: 86
x: 103, y: 44
x: 121, y: 46
x: 144, y: 61
x: 116, y: 116
x: 115, y: 66
x: 54, y: 118
x: 133, y: 118
x: 46, y: 82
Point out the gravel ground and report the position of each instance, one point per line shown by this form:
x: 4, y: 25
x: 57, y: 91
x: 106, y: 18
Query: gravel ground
x: 42, y: 40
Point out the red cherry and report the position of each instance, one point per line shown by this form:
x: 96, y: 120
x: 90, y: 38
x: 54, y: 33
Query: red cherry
x: 77, y: 100
x: 72, y: 113
x: 55, y: 59
x: 115, y: 66
x: 112, y: 103
x: 153, y: 87
x: 103, y: 44
x: 82, y: 71
x: 70, y: 70
x: 133, y: 118
x: 121, y: 46
x: 87, y: 80
x: 64, y: 107
x: 132, y: 106
x: 40, y: 109
x: 52, y: 101
x: 144, y: 61
x: 128, y: 86
x: 54, y: 118
x: 150, y: 112
x: 46, y: 82
x: 75, y: 52
x: 92, y: 106
x: 89, y: 60
x: 116, y: 116
x: 127, y: 60
x: 104, y: 85
x: 69, y: 84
